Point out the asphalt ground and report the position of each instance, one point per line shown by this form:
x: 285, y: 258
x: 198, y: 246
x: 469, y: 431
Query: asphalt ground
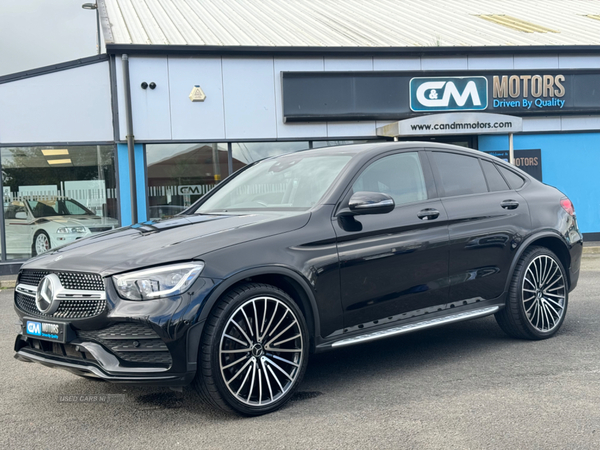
x: 465, y: 386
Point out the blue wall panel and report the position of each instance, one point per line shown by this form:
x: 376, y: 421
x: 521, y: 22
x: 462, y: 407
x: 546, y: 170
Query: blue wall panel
x: 140, y: 176
x: 124, y: 192
x: 124, y: 186
x: 570, y: 162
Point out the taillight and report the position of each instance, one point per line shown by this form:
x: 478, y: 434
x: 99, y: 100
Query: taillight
x: 567, y: 205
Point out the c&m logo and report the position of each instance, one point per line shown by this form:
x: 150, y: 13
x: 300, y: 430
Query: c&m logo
x: 34, y: 328
x: 448, y: 94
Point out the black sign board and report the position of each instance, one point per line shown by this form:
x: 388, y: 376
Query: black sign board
x: 529, y: 161
x: 393, y: 95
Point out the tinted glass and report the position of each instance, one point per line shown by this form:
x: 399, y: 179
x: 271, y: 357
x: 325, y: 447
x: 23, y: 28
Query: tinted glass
x: 399, y: 176
x: 514, y: 180
x: 294, y: 182
x: 459, y: 174
x: 247, y: 152
x: 494, y: 179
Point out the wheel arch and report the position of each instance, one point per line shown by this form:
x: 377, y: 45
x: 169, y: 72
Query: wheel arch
x: 289, y: 281
x: 549, y: 240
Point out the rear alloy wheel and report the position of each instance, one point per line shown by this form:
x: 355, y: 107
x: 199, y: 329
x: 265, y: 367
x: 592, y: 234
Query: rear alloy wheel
x: 254, y: 350
x: 538, y: 296
x: 41, y: 243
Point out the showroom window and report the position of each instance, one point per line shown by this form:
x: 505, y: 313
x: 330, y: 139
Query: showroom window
x: 179, y: 174
x: 55, y: 195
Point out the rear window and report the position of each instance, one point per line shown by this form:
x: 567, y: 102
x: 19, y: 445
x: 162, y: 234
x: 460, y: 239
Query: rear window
x: 459, y: 174
x: 493, y: 177
x: 514, y: 181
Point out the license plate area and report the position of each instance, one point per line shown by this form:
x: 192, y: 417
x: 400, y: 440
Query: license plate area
x: 46, y: 330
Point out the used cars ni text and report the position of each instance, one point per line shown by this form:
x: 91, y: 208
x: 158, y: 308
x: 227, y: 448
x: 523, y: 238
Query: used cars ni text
x: 298, y: 254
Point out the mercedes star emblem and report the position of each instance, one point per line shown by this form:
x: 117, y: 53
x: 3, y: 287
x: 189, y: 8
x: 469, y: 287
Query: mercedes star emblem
x: 44, y: 297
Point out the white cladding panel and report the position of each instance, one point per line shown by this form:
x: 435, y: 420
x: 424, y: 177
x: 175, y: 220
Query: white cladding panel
x: 71, y: 105
x: 151, y: 107
x: 249, y: 98
x: 196, y: 120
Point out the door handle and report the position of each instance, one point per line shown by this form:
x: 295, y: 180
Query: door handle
x: 428, y: 214
x: 510, y: 204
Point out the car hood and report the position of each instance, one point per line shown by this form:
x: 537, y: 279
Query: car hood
x: 158, y: 242
x: 81, y: 220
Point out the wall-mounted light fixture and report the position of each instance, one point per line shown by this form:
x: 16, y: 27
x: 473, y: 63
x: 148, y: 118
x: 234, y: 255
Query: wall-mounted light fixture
x: 94, y: 6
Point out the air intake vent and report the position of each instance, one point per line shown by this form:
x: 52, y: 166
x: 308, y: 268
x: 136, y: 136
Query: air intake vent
x: 516, y: 24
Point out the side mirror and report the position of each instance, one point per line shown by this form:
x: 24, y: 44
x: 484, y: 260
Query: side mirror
x: 21, y: 215
x: 370, y: 203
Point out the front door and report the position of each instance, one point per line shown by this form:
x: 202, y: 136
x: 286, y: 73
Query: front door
x: 396, y: 262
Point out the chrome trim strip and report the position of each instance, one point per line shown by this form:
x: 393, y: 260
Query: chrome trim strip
x: 63, y: 294
x: 417, y: 326
x: 26, y: 289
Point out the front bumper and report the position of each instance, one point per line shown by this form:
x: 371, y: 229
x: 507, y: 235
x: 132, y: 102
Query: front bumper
x: 151, y: 342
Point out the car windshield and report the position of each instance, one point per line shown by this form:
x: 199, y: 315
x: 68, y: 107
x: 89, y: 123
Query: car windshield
x: 57, y: 207
x: 293, y: 182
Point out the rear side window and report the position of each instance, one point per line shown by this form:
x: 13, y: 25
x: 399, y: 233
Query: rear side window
x: 493, y: 177
x: 459, y: 174
x: 514, y: 180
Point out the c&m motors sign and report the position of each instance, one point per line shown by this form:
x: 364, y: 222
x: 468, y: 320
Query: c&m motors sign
x: 448, y: 94
x: 395, y: 95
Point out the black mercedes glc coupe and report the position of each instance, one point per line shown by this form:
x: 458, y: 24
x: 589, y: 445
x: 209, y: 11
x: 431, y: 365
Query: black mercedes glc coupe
x: 303, y: 253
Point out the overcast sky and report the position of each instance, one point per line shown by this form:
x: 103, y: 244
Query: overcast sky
x: 36, y: 33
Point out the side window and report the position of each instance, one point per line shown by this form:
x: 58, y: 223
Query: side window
x: 400, y: 176
x: 459, y: 174
x: 514, y: 180
x: 493, y: 177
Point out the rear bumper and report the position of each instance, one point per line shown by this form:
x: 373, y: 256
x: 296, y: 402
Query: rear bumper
x: 575, y: 252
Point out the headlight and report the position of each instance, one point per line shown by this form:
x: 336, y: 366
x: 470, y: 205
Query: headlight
x: 162, y: 281
x: 72, y: 230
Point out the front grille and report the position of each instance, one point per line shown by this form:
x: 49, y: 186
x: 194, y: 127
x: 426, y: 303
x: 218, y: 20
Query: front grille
x: 67, y: 309
x: 99, y: 229
x: 69, y: 280
x: 132, y: 342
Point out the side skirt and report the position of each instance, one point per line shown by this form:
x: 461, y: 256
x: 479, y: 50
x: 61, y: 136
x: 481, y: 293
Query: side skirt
x: 429, y: 321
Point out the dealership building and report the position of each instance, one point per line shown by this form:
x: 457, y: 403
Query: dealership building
x: 187, y: 92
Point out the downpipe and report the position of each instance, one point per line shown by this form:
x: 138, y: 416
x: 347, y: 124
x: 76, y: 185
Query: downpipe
x: 130, y: 138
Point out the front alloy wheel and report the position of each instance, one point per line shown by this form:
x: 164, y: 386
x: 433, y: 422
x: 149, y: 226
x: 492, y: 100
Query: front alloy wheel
x: 256, y: 342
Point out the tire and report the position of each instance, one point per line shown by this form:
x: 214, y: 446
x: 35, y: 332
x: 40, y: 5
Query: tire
x: 267, y: 322
x: 37, y: 247
x: 538, y: 296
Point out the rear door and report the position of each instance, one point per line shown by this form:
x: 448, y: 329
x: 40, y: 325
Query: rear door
x: 486, y: 220
x: 395, y: 262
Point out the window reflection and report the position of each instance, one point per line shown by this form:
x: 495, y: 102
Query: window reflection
x: 56, y: 195
x: 248, y: 152
x: 179, y: 174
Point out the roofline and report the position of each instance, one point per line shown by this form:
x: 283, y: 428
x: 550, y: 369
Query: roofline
x: 238, y: 50
x: 53, y: 68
